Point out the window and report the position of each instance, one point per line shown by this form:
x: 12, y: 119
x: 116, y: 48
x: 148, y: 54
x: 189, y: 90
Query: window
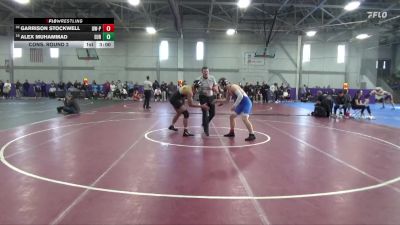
x: 200, y: 50
x: 164, y: 50
x: 384, y: 65
x: 306, y: 53
x: 54, y: 53
x: 17, y: 52
x: 341, y: 53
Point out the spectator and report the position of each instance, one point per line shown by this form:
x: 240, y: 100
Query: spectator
x: 61, y: 86
x: 155, y: 85
x: 107, y: 90
x: 323, y: 105
x: 38, y: 89
x: 265, y: 92
x: 163, y: 88
x: 70, y: 105
x: 136, y: 96
x: 69, y: 84
x: 7, y: 89
x: 26, y: 86
x: 275, y: 92
x: 357, y: 103
x: 52, y: 90
x: 18, y: 89
x: 171, y: 89
x: 157, y: 94
x: 1, y: 88
x: 124, y: 93
x: 340, y: 103
x: 43, y: 88
x: 95, y: 90
x: 130, y: 89
x: 112, y: 93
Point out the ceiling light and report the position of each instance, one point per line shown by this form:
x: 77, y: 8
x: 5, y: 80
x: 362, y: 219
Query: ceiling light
x: 134, y: 2
x: 230, y: 32
x: 151, y: 30
x: 243, y: 3
x: 22, y: 1
x: 362, y: 36
x: 311, y: 33
x: 352, y: 5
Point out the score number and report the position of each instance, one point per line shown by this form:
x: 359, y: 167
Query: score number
x: 108, y: 32
x: 108, y: 36
x: 108, y: 27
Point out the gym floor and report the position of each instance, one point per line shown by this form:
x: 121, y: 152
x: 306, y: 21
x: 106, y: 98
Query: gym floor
x: 118, y: 164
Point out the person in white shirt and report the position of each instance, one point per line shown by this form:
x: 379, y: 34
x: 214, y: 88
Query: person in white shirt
x: 147, y: 87
x: 112, y: 88
x: 7, y: 89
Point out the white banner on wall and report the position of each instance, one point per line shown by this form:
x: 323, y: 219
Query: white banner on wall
x: 250, y: 59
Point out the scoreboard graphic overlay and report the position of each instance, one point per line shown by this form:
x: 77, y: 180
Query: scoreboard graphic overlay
x: 64, y: 33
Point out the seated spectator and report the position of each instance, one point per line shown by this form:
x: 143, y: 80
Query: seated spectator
x: 117, y: 93
x: 306, y: 94
x: 340, y: 103
x: 286, y: 95
x: 357, y: 103
x: 70, y: 105
x: 136, y: 96
x: 124, y: 93
x: 52, y: 91
x: 157, y: 94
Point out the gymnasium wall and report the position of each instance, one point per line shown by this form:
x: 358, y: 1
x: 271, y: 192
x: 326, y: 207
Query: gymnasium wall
x: 136, y: 55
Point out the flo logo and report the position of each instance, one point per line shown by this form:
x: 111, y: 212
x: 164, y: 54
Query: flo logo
x: 379, y: 15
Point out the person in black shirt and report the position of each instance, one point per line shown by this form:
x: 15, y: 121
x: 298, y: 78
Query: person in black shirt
x: 357, y: 103
x: 323, y: 105
x: 340, y: 102
x: 265, y: 92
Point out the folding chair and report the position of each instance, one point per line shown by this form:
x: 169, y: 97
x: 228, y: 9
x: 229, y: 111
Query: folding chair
x: 340, y: 110
x: 356, y: 113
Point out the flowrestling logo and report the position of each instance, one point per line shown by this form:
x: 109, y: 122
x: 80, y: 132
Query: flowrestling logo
x: 377, y: 15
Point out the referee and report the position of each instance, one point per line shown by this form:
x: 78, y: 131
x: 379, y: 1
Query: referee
x: 148, y: 87
x: 208, y: 88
